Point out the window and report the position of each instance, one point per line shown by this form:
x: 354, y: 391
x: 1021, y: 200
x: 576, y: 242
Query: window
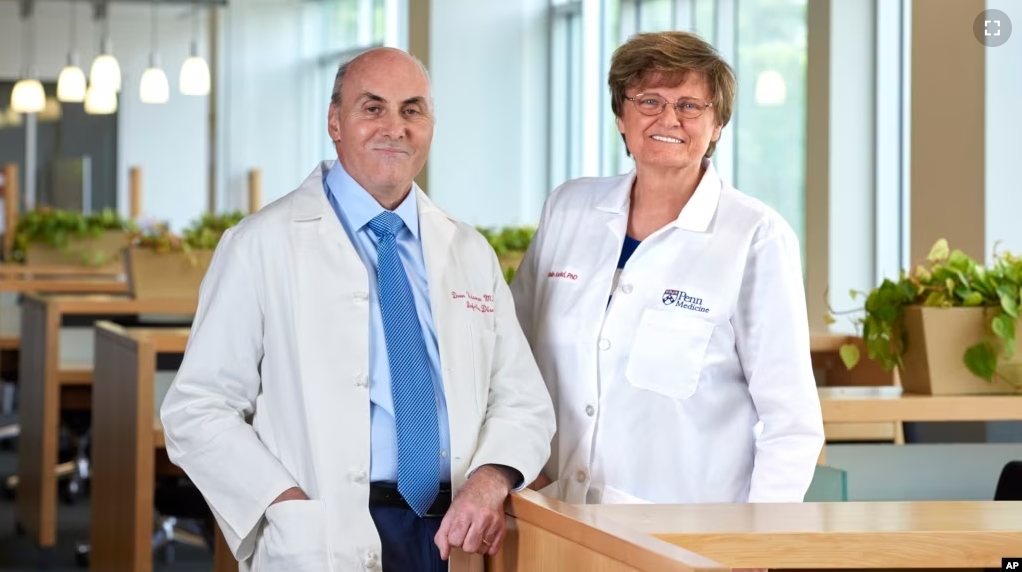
x: 566, y: 85
x: 349, y: 28
x: 770, y: 112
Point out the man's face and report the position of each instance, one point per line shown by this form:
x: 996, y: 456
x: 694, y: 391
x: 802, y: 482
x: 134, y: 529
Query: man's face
x: 383, y: 126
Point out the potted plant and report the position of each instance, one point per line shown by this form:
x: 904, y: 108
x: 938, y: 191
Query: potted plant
x: 949, y: 327
x: 47, y: 236
x: 163, y: 265
x: 510, y: 244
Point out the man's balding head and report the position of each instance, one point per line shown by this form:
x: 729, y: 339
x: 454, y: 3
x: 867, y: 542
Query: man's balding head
x: 381, y: 121
x: 369, y: 57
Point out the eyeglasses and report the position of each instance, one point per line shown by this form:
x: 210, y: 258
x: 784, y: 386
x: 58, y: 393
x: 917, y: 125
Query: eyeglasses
x: 653, y: 104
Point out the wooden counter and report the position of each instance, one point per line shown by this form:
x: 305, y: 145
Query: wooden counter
x: 834, y: 535
x: 545, y: 534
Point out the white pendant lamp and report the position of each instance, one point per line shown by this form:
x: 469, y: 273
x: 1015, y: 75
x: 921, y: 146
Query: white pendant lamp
x: 194, y: 78
x: 71, y: 83
x: 100, y: 101
x: 105, y: 72
x: 154, y: 87
x: 28, y: 96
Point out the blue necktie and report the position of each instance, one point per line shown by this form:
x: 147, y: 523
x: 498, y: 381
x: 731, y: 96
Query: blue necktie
x: 415, y: 408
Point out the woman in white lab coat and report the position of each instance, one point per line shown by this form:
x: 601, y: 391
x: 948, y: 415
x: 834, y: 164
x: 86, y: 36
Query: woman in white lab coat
x: 667, y: 311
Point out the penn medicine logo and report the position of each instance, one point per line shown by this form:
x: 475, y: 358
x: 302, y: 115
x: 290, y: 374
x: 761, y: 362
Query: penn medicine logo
x: 683, y: 300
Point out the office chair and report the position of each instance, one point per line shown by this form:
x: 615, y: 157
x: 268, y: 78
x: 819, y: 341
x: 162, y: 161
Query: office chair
x: 1009, y: 486
x: 182, y: 517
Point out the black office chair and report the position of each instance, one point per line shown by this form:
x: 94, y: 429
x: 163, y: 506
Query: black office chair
x: 1009, y: 486
x: 182, y: 517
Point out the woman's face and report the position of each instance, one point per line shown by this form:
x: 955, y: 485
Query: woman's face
x: 669, y: 140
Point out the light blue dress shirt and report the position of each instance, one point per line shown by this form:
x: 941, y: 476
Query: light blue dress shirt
x: 355, y: 207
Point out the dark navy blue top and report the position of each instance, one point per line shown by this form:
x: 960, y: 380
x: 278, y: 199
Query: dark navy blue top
x: 626, y: 251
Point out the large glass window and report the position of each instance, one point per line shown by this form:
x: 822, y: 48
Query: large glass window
x: 769, y: 119
x: 566, y: 94
x: 349, y: 28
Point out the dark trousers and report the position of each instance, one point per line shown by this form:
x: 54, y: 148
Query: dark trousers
x: 407, y: 539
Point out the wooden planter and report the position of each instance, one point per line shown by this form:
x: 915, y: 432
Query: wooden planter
x: 935, y: 352
x: 171, y: 275
x: 108, y: 247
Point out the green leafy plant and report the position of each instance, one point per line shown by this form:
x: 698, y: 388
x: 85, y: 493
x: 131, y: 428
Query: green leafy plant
x: 61, y: 228
x: 203, y: 234
x: 510, y: 244
x: 949, y: 279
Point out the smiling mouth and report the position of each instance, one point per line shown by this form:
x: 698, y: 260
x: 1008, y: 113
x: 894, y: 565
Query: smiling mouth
x: 666, y: 139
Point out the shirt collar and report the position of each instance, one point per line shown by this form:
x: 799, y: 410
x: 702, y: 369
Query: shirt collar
x: 702, y: 205
x: 359, y: 207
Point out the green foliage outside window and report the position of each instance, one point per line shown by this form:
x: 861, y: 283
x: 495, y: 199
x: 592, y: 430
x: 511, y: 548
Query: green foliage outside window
x: 510, y: 244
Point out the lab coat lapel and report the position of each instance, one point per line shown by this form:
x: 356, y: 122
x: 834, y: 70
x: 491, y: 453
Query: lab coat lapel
x: 328, y: 275
x: 613, y: 210
x: 436, y: 231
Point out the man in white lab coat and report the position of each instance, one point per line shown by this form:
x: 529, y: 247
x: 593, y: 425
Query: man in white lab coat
x: 374, y: 343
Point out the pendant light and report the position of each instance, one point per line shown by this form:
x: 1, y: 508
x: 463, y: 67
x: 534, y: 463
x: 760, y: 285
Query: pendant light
x: 27, y: 95
x: 154, y: 87
x: 105, y: 72
x: 71, y: 83
x: 194, y: 78
x: 100, y: 101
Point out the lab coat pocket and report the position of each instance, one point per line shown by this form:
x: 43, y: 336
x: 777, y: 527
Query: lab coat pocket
x: 294, y: 538
x: 483, y: 345
x: 667, y: 354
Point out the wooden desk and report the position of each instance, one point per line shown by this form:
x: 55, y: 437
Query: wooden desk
x: 911, y: 407
x: 824, y: 349
x: 545, y: 534
x: 47, y: 386
x: 128, y: 448
x: 16, y: 278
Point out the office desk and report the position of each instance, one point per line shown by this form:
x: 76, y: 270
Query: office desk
x: 19, y: 279
x: 128, y: 449
x: 545, y: 534
x: 914, y: 407
x: 48, y: 385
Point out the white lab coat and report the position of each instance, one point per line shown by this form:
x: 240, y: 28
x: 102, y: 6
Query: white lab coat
x: 659, y: 396
x: 281, y: 332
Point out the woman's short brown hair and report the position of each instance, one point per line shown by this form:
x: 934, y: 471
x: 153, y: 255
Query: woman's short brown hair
x: 670, y: 57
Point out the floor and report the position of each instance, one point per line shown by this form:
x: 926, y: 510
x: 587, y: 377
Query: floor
x: 18, y: 554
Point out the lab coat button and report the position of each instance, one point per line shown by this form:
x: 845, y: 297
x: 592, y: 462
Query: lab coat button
x: 627, y: 288
x: 371, y: 561
x: 581, y: 476
x: 590, y: 410
x: 359, y: 477
x: 361, y: 380
x: 604, y: 344
x: 360, y: 296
